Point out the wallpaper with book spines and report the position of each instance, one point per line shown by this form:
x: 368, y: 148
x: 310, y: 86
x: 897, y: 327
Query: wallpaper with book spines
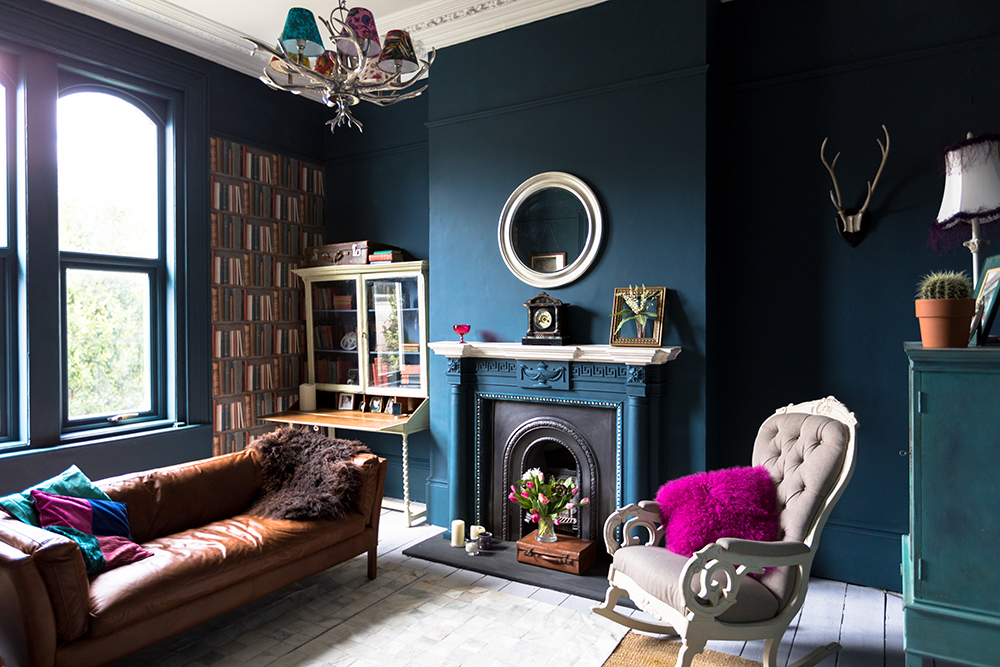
x: 266, y: 208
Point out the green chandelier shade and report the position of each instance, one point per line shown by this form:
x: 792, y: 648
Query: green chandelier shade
x: 301, y: 30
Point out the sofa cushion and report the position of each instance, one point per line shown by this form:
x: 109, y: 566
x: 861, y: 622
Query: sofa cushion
x: 193, y: 563
x: 172, y: 499
x: 70, y: 482
x: 658, y: 572
x: 93, y: 517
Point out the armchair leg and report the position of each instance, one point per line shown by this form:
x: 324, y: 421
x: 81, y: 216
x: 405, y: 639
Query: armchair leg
x: 607, y: 610
x: 690, y: 647
x: 817, y: 655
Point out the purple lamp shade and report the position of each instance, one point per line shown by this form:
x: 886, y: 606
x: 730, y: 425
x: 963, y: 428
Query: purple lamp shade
x: 301, y: 36
x: 398, y: 53
x: 361, y: 21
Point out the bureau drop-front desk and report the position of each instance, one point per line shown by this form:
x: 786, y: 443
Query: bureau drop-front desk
x: 951, y: 574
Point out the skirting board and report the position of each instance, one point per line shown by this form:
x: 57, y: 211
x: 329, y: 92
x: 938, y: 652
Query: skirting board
x: 501, y: 561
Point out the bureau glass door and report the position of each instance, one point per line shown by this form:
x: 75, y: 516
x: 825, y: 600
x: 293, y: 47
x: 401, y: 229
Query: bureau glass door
x: 335, y: 334
x: 395, y: 328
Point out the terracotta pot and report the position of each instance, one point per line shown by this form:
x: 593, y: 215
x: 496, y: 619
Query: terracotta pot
x: 945, y: 322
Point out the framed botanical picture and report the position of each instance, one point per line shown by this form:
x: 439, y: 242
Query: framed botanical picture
x: 986, y: 300
x: 637, y: 316
x: 345, y: 401
x: 548, y: 262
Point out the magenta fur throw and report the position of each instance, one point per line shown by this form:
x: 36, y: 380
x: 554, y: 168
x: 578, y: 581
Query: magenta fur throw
x: 734, y: 502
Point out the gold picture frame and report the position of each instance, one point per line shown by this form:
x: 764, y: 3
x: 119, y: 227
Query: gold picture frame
x: 548, y: 262
x: 651, y: 334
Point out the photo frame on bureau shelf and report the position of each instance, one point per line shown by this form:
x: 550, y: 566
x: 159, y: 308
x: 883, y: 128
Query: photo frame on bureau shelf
x: 987, y: 293
x: 375, y: 404
x: 642, y: 328
x: 345, y: 401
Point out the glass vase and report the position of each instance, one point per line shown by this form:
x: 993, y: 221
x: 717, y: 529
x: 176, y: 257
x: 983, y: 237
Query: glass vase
x: 546, y: 529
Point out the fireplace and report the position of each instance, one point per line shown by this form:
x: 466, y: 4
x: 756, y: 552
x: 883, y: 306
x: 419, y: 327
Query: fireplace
x: 595, y: 412
x: 576, y: 440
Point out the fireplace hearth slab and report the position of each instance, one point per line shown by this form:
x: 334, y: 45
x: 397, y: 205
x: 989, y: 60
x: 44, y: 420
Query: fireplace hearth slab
x: 501, y: 561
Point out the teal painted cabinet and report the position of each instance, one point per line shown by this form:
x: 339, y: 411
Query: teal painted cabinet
x: 951, y: 577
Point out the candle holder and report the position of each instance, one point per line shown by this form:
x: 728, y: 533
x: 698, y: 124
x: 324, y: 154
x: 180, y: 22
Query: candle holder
x: 461, y: 330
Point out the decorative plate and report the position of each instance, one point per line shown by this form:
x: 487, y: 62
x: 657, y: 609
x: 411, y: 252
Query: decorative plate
x: 349, y: 341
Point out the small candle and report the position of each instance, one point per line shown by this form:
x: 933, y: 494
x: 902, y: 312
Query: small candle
x: 475, y: 531
x: 458, y: 533
x: 307, y: 397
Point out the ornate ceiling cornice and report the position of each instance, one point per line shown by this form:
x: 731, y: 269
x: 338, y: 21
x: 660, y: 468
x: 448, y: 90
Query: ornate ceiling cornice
x: 437, y: 24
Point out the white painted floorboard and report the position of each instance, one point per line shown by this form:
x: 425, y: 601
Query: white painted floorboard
x: 867, y: 622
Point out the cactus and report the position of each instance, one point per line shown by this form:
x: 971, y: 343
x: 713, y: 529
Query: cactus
x: 945, y: 285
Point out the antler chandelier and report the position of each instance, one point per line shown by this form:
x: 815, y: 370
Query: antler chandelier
x: 357, y: 68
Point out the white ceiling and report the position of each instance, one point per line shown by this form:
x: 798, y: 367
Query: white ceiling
x: 213, y: 29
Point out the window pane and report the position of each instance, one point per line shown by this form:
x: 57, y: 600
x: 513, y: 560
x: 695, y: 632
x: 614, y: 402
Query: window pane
x: 6, y: 150
x: 108, y: 339
x: 108, y: 178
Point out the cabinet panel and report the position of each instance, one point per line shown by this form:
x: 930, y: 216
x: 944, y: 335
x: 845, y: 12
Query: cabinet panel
x: 955, y: 491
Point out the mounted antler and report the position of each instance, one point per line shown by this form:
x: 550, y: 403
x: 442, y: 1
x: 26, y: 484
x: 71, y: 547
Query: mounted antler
x: 850, y: 218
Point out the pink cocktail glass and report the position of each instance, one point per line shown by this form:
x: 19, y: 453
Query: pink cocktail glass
x: 461, y: 330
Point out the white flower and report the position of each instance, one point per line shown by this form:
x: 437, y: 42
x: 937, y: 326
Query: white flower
x: 533, y: 473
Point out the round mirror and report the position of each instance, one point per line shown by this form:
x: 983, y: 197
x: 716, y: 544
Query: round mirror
x: 550, y: 230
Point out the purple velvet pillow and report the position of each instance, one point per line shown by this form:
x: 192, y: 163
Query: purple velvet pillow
x: 733, y: 502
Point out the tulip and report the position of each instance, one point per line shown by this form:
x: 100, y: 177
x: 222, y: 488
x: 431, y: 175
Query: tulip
x: 525, y: 494
x: 513, y: 488
x: 512, y: 497
x: 574, y: 491
x: 534, y: 518
x: 530, y: 485
x: 542, y: 499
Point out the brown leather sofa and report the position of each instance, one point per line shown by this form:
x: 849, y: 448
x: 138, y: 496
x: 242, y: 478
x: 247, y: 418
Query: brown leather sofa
x: 209, y: 558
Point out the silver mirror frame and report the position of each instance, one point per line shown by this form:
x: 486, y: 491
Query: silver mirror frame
x: 595, y: 230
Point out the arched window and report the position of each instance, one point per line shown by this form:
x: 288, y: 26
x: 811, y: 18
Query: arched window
x: 111, y: 171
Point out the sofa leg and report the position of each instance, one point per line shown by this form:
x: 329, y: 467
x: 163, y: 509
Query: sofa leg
x: 372, y: 562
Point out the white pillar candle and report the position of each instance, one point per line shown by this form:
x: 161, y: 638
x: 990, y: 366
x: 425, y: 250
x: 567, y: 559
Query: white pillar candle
x: 458, y: 533
x: 474, y: 532
x: 307, y: 397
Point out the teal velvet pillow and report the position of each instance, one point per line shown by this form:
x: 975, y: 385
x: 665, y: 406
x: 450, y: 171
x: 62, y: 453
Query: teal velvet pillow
x: 71, y: 482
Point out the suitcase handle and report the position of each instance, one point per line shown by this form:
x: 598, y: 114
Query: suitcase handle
x: 564, y: 559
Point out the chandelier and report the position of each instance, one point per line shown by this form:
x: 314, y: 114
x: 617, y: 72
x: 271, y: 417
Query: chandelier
x: 357, y: 68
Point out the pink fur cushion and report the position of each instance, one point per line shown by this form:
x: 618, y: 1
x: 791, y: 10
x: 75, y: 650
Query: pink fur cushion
x: 734, y: 502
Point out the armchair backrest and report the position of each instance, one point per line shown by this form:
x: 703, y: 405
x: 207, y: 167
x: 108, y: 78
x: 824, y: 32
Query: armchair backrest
x: 810, y: 451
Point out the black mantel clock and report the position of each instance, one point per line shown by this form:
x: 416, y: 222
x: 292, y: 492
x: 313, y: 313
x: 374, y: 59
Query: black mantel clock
x: 546, y: 319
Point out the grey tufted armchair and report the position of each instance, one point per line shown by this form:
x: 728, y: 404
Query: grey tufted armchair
x: 809, y: 450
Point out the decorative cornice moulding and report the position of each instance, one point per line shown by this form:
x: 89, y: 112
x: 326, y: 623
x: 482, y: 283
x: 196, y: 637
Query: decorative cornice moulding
x: 435, y: 24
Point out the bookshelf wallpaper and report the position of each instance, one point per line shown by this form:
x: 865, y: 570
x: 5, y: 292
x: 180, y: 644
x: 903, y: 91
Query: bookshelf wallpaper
x: 266, y: 208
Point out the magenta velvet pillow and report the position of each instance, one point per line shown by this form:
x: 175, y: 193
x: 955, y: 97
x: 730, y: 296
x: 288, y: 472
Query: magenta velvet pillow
x: 733, y: 502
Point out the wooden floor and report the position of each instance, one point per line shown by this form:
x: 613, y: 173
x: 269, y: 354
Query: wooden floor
x: 867, y: 622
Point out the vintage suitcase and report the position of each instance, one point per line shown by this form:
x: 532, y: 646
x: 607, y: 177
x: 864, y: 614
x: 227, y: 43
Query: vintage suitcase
x: 353, y: 252
x: 567, y: 554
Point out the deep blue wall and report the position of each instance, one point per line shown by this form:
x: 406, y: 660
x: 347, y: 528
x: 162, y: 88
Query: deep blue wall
x: 548, y: 97
x: 805, y: 315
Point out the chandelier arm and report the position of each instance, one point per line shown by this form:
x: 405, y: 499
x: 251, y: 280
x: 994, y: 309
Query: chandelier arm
x: 391, y: 98
x: 268, y: 78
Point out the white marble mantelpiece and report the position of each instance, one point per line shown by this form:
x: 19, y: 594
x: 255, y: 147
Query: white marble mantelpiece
x: 633, y: 356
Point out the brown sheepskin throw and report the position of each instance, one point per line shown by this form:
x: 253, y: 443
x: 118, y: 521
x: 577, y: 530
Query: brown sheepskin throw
x: 307, y: 475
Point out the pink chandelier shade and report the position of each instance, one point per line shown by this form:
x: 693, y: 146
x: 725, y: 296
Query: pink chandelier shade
x: 398, y: 53
x: 362, y: 22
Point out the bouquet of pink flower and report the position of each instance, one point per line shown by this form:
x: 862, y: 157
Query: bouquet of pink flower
x: 544, y: 499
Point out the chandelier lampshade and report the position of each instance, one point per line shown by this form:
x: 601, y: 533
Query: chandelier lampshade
x: 398, y: 54
x: 301, y: 35
x: 356, y: 69
x: 362, y: 22
x: 971, y: 195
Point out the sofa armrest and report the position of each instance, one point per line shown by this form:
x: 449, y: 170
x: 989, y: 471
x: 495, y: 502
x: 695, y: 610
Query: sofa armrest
x: 27, y: 624
x: 373, y: 471
x: 60, y: 565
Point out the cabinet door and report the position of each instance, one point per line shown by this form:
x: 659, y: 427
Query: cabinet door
x: 395, y: 335
x: 955, y: 522
x: 334, y: 334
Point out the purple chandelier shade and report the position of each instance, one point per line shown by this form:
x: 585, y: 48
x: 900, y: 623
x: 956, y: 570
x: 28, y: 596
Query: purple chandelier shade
x: 301, y: 31
x: 971, y: 191
x: 398, y: 53
x: 362, y: 22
